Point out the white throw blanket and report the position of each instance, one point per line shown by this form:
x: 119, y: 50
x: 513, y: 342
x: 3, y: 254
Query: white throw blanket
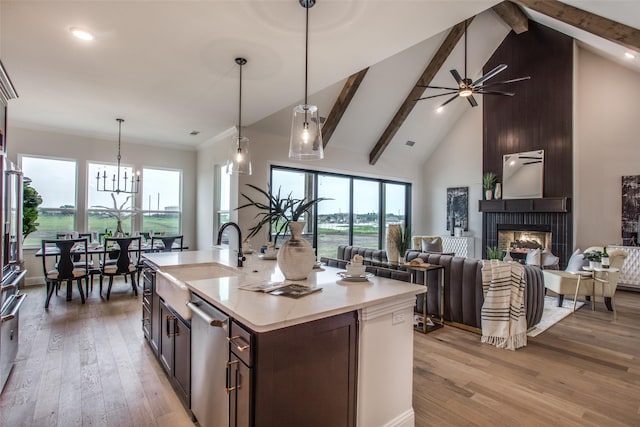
x: 504, y: 322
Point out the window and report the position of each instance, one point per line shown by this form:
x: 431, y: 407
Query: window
x: 161, y: 201
x: 359, y: 212
x: 366, y: 213
x: 55, y: 180
x: 222, y: 185
x: 104, y: 208
x: 333, y: 215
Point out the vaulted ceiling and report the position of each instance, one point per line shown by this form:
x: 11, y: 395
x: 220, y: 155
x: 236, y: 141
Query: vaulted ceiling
x: 168, y: 67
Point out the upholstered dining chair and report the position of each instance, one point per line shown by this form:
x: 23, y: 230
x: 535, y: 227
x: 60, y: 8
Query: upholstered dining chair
x: 128, y: 250
x: 565, y: 282
x: 58, y: 265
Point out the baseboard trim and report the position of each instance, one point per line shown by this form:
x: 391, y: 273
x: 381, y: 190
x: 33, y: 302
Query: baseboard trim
x: 406, y: 419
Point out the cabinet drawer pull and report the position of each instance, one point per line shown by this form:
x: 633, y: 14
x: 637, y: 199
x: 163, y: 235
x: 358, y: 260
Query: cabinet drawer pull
x: 240, y: 347
x: 229, y: 389
x: 232, y: 362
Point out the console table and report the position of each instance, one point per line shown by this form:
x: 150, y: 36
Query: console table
x: 461, y: 246
x: 630, y: 272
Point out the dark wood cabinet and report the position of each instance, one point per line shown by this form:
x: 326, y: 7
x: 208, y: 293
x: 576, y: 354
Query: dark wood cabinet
x: 175, y: 351
x: 300, y: 375
x: 169, y: 337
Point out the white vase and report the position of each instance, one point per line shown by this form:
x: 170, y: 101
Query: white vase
x: 497, y: 193
x: 595, y: 264
x: 296, y: 256
x: 488, y: 194
x: 507, y: 257
x: 392, y: 250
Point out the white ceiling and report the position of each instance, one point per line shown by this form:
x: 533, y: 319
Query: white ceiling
x: 167, y: 67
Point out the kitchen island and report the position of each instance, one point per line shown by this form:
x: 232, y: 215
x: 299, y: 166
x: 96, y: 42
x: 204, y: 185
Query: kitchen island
x: 380, y: 332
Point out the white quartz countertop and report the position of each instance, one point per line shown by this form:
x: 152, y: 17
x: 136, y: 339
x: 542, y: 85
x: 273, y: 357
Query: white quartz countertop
x: 263, y: 312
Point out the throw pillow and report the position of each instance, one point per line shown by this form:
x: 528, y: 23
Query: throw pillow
x: 548, y: 259
x: 576, y: 261
x: 533, y: 257
x: 431, y: 244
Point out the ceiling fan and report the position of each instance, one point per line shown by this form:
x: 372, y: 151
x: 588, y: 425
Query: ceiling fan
x: 467, y: 88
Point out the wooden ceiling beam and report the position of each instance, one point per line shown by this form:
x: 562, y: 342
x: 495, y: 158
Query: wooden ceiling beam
x: 427, y: 76
x: 340, y: 106
x: 613, y: 31
x: 513, y: 16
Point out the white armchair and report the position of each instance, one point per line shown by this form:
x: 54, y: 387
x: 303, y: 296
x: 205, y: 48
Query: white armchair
x: 565, y: 283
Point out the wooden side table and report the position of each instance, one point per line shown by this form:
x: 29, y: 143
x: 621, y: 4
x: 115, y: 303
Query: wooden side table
x: 439, y: 320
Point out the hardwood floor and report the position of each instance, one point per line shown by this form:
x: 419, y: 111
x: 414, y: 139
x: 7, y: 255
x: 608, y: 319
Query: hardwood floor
x: 583, y: 371
x: 81, y: 365
x: 89, y: 365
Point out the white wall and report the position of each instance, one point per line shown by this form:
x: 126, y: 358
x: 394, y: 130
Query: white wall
x: 456, y: 162
x: 607, y: 102
x: 84, y: 150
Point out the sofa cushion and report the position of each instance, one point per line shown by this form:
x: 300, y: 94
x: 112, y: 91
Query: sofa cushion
x: 431, y: 244
x: 576, y: 262
x: 548, y: 259
x: 533, y: 257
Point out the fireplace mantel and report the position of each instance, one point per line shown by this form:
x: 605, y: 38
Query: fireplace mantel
x: 545, y: 204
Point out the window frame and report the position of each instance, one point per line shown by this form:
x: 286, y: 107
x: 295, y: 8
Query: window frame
x: 141, y: 218
x: 73, y: 211
x: 381, y: 200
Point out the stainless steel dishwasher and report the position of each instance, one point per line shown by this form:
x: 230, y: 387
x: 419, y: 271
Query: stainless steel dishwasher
x: 209, y: 357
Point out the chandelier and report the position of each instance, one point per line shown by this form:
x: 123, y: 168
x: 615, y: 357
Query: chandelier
x: 128, y: 185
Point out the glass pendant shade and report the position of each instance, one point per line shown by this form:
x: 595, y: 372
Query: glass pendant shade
x: 306, y: 138
x: 239, y: 160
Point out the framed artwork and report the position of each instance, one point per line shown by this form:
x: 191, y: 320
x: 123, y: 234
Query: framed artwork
x: 458, y: 208
x: 630, y: 210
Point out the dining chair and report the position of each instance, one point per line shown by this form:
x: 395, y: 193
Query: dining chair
x: 58, y: 266
x: 128, y: 250
x: 166, y: 243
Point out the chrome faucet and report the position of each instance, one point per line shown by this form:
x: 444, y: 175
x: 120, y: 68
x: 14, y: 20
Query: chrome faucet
x: 241, y: 256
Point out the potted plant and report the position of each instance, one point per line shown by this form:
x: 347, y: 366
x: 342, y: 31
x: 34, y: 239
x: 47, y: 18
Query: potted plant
x: 31, y: 199
x: 594, y: 258
x: 488, y: 182
x: 296, y: 257
x: 402, y: 240
x: 494, y: 253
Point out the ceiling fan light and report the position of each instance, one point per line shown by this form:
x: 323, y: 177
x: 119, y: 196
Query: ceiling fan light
x: 440, y: 109
x: 82, y: 34
x: 466, y: 92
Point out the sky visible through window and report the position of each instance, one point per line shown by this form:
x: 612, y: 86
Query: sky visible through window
x: 55, y: 180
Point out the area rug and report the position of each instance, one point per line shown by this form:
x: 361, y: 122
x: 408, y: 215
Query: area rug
x: 552, y: 314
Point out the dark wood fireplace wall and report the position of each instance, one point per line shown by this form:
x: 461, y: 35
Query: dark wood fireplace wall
x: 538, y: 117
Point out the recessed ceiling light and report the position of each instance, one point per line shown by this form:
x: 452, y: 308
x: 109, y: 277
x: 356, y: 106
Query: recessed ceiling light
x: 440, y: 109
x: 629, y: 55
x: 82, y: 34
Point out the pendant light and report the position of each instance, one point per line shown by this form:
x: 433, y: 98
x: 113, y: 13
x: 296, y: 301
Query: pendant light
x: 127, y: 185
x: 306, y: 138
x: 239, y: 161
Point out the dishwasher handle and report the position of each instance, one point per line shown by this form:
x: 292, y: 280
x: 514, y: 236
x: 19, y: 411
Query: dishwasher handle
x: 218, y: 323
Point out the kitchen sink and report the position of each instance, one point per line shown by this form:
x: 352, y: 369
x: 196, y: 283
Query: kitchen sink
x: 170, y: 283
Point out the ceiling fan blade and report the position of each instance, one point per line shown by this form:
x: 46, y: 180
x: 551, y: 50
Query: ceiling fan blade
x: 507, y: 81
x: 448, y: 101
x: 438, y: 87
x: 435, y: 96
x: 472, y: 101
x: 494, y: 92
x: 456, y: 76
x: 490, y: 74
